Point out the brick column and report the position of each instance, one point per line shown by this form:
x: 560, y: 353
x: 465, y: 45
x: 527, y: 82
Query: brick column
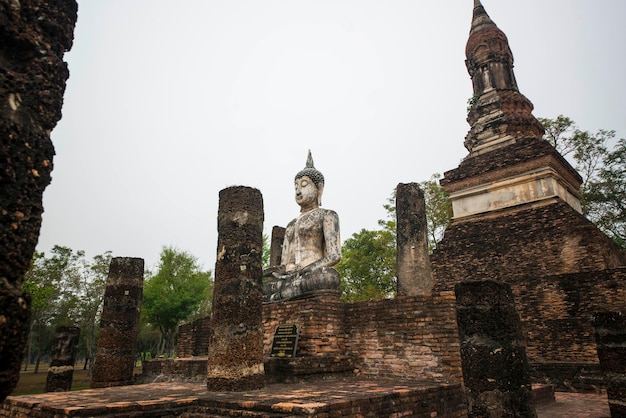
x: 236, y: 349
x: 119, y: 326
x: 276, y: 246
x: 62, y: 359
x: 412, y: 260
x: 493, y: 351
x: 610, y: 330
x: 34, y: 36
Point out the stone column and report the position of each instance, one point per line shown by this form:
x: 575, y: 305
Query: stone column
x: 493, y: 351
x: 34, y: 35
x: 276, y: 246
x: 119, y: 326
x: 610, y: 330
x: 236, y: 349
x: 412, y: 259
x: 62, y: 359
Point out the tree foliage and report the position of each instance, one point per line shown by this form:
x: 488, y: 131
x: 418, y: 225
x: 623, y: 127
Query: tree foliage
x: 602, y: 170
x: 66, y: 289
x: 178, y: 291
x: 368, y: 264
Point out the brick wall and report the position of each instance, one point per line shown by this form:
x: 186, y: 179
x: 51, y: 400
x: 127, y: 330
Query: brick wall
x: 321, y: 320
x: 409, y: 336
x: 193, y: 338
x: 557, y: 312
x: 510, y: 245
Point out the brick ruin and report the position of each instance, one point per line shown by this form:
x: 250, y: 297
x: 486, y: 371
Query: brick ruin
x: 119, y: 324
x: 235, y: 355
x: 34, y: 36
x: 517, y: 223
x: 517, y: 219
x: 62, y: 358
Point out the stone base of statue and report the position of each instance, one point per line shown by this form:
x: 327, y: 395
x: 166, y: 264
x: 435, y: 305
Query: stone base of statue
x: 278, y: 289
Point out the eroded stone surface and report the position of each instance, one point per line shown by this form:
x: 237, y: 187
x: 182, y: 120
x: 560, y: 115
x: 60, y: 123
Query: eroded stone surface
x: 34, y: 35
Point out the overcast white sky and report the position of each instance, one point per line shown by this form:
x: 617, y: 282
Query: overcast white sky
x: 170, y: 102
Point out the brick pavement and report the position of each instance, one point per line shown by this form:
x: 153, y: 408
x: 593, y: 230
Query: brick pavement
x: 576, y: 405
x: 346, y: 396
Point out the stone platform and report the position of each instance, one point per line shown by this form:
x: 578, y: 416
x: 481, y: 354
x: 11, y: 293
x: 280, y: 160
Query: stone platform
x: 336, y: 397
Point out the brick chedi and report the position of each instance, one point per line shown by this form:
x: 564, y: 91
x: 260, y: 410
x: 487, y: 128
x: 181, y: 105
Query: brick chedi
x: 34, y: 36
x: 517, y: 212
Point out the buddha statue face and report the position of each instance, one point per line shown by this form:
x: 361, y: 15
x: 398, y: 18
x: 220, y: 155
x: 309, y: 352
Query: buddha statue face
x: 309, y: 183
x: 307, y: 194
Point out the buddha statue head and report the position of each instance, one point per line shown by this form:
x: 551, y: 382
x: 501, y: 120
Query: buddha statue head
x: 312, y: 174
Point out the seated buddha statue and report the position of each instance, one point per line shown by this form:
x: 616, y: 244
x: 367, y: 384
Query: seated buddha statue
x: 311, y: 245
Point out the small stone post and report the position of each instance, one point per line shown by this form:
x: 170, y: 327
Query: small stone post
x: 493, y: 351
x: 236, y: 349
x: 276, y: 246
x: 62, y: 359
x: 610, y: 330
x: 412, y: 260
x: 119, y: 326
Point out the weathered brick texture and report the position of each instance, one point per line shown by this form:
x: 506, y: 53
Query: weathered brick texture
x: 495, y: 368
x: 409, y: 336
x: 119, y: 325
x: 34, y: 36
x: 235, y: 353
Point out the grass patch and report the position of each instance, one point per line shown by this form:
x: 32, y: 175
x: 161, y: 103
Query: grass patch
x: 33, y: 383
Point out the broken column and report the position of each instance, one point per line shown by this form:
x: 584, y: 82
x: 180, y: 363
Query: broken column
x: 235, y: 360
x: 119, y: 326
x: 34, y: 36
x: 412, y: 259
x: 276, y: 246
x: 62, y: 357
x: 493, y: 351
x: 610, y: 331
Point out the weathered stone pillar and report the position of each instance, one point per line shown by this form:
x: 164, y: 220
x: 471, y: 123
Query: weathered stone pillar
x: 119, y: 326
x: 610, y: 330
x: 34, y: 35
x: 493, y: 351
x: 62, y: 359
x: 276, y: 246
x: 412, y: 260
x: 236, y: 348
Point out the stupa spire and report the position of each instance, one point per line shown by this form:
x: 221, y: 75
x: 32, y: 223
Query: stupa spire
x: 499, y: 113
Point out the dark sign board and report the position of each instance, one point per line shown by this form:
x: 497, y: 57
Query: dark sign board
x: 285, y: 341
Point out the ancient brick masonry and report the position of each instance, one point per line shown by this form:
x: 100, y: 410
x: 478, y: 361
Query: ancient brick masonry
x: 61, y: 369
x: 235, y: 360
x: 495, y: 369
x: 119, y: 326
x: 34, y: 35
x: 610, y: 331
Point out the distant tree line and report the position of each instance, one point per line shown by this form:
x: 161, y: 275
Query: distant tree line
x: 67, y: 289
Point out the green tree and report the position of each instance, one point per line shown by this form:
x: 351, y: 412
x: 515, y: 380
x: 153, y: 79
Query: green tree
x: 66, y: 289
x: 438, y: 210
x: 368, y: 265
x: 174, y: 294
x: 606, y: 195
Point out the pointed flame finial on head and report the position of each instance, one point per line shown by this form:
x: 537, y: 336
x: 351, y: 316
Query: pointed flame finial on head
x: 477, y: 3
